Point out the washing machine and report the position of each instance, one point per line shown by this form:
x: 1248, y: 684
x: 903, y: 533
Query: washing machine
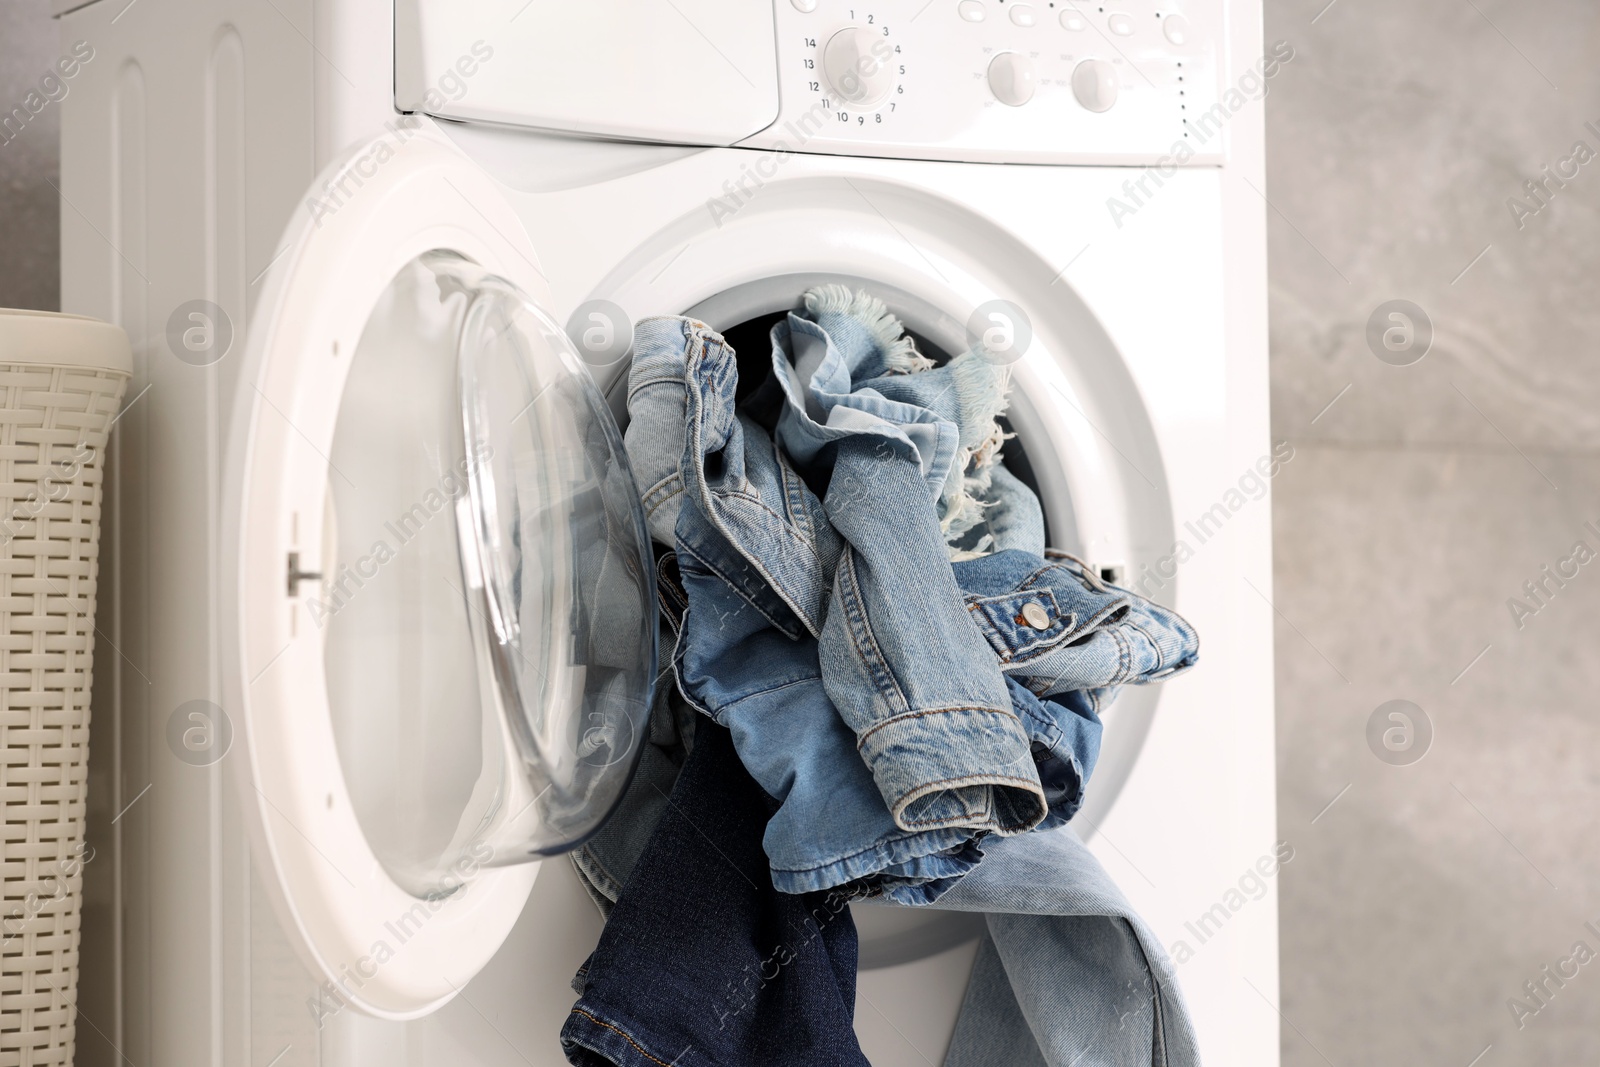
x: 307, y: 685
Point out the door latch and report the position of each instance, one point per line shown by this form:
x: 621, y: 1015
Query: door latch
x: 296, y: 575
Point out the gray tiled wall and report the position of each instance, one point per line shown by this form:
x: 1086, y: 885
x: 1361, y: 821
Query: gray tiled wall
x: 1396, y: 137
x: 1418, y: 504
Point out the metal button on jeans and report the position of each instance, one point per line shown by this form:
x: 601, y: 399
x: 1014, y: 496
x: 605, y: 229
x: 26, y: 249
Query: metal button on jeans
x: 1035, y: 616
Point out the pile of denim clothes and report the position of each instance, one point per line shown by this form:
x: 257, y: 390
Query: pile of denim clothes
x: 881, y: 684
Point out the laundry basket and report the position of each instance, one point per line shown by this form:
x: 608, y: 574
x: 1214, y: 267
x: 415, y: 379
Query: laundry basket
x: 62, y: 379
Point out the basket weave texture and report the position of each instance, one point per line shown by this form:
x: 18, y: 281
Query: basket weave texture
x: 54, y: 424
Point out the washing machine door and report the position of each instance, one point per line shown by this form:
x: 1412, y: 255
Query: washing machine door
x: 439, y: 613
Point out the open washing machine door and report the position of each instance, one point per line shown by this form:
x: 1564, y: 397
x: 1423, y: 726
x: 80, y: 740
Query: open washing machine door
x: 439, y: 612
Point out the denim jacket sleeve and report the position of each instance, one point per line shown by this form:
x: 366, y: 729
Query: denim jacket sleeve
x: 1091, y: 634
x: 904, y: 663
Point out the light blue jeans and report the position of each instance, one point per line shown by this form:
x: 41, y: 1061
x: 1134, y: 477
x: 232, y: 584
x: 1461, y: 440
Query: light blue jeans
x: 1068, y: 975
x: 841, y: 365
x: 844, y: 367
x: 899, y: 708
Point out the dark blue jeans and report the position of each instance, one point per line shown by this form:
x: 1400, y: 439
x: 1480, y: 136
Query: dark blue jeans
x: 702, y: 962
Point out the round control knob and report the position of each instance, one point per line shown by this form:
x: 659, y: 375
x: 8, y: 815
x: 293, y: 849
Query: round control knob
x: 1013, y: 78
x: 856, y: 62
x: 1094, y: 83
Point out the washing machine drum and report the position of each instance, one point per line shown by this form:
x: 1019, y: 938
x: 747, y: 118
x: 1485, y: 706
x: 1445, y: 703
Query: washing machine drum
x: 487, y: 603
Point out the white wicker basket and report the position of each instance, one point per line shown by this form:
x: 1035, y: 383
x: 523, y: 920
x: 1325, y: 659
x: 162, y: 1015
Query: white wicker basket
x: 62, y: 379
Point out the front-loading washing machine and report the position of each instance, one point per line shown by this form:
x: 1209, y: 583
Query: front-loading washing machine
x: 307, y: 517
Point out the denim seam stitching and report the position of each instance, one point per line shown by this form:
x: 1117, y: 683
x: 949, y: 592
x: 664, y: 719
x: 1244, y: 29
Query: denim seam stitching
x: 1022, y: 589
x: 742, y: 495
x: 1161, y: 659
x: 695, y: 438
x: 599, y: 868
x: 663, y: 491
x: 1044, y: 726
x: 788, y: 526
x: 740, y: 593
x: 1039, y: 651
x: 1022, y: 651
x: 661, y: 378
x: 990, y: 634
x: 969, y: 779
x: 793, y: 497
x: 1028, y: 582
x: 1089, y: 627
x: 920, y: 712
x: 1160, y: 1026
x: 705, y: 498
x: 683, y: 690
x: 724, y: 709
x: 864, y: 640
x: 1124, y: 657
x: 1121, y: 597
x: 624, y: 1035
x: 878, y: 847
x: 1058, y: 554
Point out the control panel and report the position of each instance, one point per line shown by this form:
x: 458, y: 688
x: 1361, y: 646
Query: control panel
x: 1020, y: 81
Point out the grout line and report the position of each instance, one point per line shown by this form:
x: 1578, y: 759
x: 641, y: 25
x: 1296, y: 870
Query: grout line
x: 1439, y: 448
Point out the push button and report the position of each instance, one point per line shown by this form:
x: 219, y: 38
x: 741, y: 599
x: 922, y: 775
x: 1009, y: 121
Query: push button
x: 805, y: 7
x: 1012, y: 78
x: 1176, y: 27
x: 1022, y: 15
x: 971, y: 10
x: 1094, y: 83
x: 1121, y: 24
x: 1035, y: 616
x: 1071, y: 20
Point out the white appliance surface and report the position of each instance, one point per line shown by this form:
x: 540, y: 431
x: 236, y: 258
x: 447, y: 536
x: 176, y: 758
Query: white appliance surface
x: 981, y: 80
x: 194, y: 153
x: 699, y: 71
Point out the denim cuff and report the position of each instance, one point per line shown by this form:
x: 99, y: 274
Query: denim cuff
x: 963, y: 766
x: 591, y: 1041
x: 909, y: 868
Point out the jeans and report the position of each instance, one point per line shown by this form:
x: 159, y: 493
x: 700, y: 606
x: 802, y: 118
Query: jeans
x: 898, y: 708
x: 946, y: 757
x: 1068, y: 974
x: 842, y: 372
x: 845, y: 351
x: 702, y: 962
x: 906, y: 716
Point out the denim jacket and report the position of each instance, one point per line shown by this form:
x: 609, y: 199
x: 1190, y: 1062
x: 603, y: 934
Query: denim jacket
x: 897, y: 711
x: 756, y: 553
